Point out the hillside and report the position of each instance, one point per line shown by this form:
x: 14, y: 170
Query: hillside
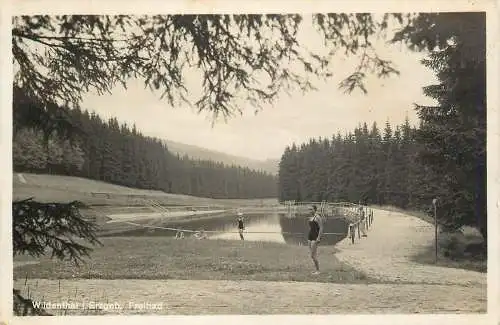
x: 117, y: 154
x: 269, y: 165
x: 56, y: 188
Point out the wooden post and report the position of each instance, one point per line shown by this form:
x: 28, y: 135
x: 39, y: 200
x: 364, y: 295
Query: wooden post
x: 367, y: 217
x: 434, y: 203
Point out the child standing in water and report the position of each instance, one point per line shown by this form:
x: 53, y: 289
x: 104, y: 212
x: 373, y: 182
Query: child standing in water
x: 241, y: 225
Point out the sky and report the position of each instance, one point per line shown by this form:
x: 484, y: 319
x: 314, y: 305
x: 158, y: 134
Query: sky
x: 292, y: 119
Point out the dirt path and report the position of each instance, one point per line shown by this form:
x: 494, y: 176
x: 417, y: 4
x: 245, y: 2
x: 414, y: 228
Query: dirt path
x: 384, y: 254
x: 254, y: 297
x: 393, y: 239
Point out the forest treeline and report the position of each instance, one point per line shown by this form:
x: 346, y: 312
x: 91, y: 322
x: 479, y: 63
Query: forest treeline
x: 107, y: 151
x: 383, y: 167
x: 369, y: 165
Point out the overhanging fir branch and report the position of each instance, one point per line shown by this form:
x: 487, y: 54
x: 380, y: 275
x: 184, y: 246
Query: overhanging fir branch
x: 59, y: 228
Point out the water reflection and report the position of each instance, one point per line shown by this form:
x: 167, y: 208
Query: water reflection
x: 263, y: 227
x: 295, y: 229
x: 274, y: 227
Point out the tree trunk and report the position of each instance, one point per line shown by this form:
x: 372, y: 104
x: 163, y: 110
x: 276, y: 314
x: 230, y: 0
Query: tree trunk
x: 46, y: 138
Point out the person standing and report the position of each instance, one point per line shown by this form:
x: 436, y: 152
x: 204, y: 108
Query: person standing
x: 241, y: 225
x: 314, y: 236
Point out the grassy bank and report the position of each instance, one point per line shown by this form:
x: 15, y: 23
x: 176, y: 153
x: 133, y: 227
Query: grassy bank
x: 57, y: 188
x: 167, y: 258
x: 452, y: 247
x: 467, y: 263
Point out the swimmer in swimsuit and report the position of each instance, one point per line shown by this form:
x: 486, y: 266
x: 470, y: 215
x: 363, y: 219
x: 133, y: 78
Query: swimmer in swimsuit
x: 314, y: 236
x: 241, y: 225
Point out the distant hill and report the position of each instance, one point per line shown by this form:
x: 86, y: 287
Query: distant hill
x: 269, y: 165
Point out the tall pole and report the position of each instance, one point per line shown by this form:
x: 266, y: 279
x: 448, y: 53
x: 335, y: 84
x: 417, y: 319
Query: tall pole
x: 434, y: 203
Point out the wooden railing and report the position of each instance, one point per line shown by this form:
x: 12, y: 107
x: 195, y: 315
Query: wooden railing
x: 360, y: 216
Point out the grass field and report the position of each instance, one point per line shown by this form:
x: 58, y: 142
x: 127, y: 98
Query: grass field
x: 168, y: 258
x: 448, y: 256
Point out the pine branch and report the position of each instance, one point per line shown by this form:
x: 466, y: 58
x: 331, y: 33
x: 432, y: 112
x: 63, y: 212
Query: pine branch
x: 57, y: 227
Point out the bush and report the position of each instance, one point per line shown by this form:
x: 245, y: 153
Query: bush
x: 458, y: 245
x: 453, y: 245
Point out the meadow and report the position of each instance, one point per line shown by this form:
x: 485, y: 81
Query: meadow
x: 161, y: 258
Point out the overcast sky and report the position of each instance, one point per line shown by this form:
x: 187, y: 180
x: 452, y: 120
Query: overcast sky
x: 291, y: 119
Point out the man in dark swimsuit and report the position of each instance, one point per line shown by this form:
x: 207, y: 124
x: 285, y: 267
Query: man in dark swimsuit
x: 314, y: 236
x: 241, y: 225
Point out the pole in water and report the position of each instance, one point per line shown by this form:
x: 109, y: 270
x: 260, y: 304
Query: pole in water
x: 434, y: 203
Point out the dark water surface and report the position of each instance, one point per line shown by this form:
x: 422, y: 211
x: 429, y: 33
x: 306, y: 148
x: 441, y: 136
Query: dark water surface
x: 273, y: 227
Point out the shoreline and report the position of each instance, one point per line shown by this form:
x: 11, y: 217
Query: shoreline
x: 123, y: 217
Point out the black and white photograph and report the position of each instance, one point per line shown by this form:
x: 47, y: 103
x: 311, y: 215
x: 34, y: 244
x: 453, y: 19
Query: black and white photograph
x: 250, y: 163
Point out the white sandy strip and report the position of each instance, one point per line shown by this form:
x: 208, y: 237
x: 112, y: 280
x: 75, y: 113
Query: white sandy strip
x: 256, y: 297
x: 386, y: 253
x: 173, y: 214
